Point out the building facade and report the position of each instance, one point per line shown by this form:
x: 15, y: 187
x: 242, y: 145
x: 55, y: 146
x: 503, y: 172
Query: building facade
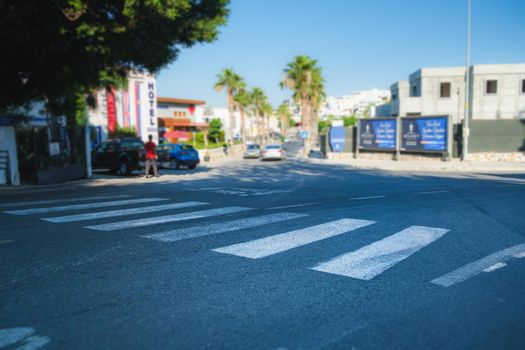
x: 132, y: 107
x: 496, y: 92
x: 179, y: 118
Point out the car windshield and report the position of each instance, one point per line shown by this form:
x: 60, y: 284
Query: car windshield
x: 273, y: 147
x: 164, y: 148
x: 253, y: 146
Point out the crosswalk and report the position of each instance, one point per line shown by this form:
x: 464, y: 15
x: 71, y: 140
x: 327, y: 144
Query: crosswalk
x: 364, y: 263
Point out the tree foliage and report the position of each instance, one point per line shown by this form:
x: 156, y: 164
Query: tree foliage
x: 56, y: 50
x: 215, y: 132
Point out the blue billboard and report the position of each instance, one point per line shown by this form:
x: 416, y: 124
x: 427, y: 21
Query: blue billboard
x: 337, y: 138
x: 424, y: 134
x: 377, y: 134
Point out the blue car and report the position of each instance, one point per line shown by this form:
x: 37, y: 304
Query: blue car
x: 173, y: 155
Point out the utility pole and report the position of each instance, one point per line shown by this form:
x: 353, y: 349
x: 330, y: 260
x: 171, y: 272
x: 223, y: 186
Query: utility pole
x: 466, y: 130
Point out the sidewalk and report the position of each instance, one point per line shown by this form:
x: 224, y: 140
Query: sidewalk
x: 426, y: 166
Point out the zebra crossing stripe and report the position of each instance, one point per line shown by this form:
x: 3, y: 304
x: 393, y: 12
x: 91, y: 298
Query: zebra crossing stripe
x: 167, y: 218
x: 64, y: 200
x: 228, y: 226
x: 267, y: 246
x: 485, y: 264
x: 83, y: 206
x: 371, y: 260
x: 121, y: 212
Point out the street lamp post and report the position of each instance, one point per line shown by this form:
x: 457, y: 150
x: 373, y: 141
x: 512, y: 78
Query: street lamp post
x: 466, y: 130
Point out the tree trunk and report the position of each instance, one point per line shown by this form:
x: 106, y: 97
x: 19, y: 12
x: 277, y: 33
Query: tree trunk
x: 305, y: 124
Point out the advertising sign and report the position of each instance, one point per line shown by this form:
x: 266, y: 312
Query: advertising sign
x: 111, y: 110
x: 337, y: 138
x: 424, y: 134
x: 377, y: 134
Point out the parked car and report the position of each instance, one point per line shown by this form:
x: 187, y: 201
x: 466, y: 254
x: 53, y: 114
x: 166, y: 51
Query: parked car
x: 272, y: 152
x: 121, y: 155
x: 173, y: 155
x: 252, y: 151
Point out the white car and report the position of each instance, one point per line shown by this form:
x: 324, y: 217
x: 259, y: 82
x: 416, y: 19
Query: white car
x: 272, y: 152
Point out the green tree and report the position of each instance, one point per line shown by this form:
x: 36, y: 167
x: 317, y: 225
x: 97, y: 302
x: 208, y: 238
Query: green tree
x: 55, y: 51
x: 284, y: 114
x: 243, y: 101
x: 215, y: 132
x: 230, y: 81
x: 258, y: 100
x: 304, y: 78
x: 266, y: 111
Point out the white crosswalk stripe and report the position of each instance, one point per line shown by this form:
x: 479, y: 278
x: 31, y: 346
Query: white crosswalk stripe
x: 371, y: 260
x: 121, y: 212
x: 63, y: 200
x: 167, y: 218
x: 267, y: 246
x: 487, y: 264
x: 228, y: 226
x: 83, y: 206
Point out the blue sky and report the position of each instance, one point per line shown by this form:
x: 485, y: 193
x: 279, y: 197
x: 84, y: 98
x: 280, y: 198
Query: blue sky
x: 360, y: 44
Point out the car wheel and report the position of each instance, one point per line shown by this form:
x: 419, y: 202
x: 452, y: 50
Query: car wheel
x: 123, y: 168
x: 174, y: 164
x: 191, y: 167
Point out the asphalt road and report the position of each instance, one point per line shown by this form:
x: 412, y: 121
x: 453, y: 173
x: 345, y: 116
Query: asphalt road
x: 266, y: 255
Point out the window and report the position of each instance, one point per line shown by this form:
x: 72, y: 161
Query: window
x: 444, y: 90
x: 414, y: 91
x: 491, y: 87
x: 523, y: 86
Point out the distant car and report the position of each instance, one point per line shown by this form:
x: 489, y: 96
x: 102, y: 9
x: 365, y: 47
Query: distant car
x: 272, y: 152
x: 173, y: 155
x: 252, y: 151
x: 119, y: 155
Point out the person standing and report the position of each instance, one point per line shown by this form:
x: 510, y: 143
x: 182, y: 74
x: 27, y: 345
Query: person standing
x: 151, y: 156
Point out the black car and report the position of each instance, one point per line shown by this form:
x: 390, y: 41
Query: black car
x: 120, y: 155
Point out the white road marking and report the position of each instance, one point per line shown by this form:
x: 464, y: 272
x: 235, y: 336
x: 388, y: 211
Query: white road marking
x: 22, y: 338
x: 371, y: 260
x: 474, y: 268
x: 495, y: 267
x: 361, y: 198
x: 228, y: 226
x: 167, y: 218
x: 121, y: 212
x: 432, y: 192
x: 64, y: 200
x: 520, y: 255
x: 83, y: 206
x: 270, y: 245
x: 293, y: 206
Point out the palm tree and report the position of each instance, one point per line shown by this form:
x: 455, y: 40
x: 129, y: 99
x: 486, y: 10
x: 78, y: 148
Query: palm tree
x: 243, y: 100
x: 304, y: 78
x: 267, y: 111
x: 317, y: 96
x: 258, y: 99
x: 229, y: 80
x: 283, y: 112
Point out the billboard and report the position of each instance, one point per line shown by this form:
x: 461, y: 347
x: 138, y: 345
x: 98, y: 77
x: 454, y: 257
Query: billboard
x: 424, y: 134
x: 337, y: 138
x: 377, y: 134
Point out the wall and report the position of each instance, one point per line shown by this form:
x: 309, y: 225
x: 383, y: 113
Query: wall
x: 497, y: 136
x: 508, y: 103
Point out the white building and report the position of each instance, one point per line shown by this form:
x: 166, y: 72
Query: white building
x: 496, y: 92
x: 132, y: 107
x: 357, y: 103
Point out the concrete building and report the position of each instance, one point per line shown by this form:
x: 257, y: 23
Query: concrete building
x: 496, y: 92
